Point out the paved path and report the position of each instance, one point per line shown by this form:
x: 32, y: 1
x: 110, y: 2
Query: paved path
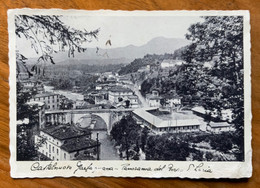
x: 137, y: 92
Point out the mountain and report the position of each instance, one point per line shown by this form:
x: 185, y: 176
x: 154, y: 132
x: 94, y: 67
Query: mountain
x: 123, y: 55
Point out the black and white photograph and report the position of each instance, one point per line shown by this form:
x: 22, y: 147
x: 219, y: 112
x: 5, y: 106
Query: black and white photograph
x: 130, y: 87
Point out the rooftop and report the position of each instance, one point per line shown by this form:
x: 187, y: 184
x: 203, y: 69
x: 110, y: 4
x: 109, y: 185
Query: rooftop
x: 46, y: 94
x: 219, y: 124
x: 173, y: 61
x: 153, y: 97
x: 159, y: 123
x: 132, y: 97
x: 77, y: 144
x: 63, y: 132
x: 31, y: 103
x: 199, y: 109
x: 120, y: 89
x: 171, y: 96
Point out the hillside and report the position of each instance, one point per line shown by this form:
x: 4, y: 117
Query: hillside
x: 149, y: 59
x: 120, y: 55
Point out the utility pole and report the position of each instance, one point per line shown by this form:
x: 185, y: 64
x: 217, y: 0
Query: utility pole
x: 97, y: 147
x: 127, y: 155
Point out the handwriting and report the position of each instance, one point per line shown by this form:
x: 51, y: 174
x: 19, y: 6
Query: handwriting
x: 83, y: 166
x: 199, y: 168
x: 127, y: 167
x: 160, y: 168
x: 51, y: 166
x: 171, y: 168
x: 80, y: 166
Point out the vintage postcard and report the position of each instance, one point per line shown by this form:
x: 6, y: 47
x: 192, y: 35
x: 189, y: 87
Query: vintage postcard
x: 130, y: 93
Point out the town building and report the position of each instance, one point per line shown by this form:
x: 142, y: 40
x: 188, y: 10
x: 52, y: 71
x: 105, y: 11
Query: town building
x: 169, y: 63
x: 172, y: 100
x: 218, y: 127
x: 79, y: 104
x: 76, y: 89
x: 117, y: 94
x: 144, y: 69
x: 51, y: 100
x: 134, y: 101
x: 225, y: 114
x: 124, y: 80
x: 144, y: 118
x: 32, y: 85
x: 67, y: 143
x: 99, y: 96
x: 153, y: 99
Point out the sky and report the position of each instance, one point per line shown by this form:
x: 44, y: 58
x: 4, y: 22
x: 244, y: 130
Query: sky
x: 124, y: 30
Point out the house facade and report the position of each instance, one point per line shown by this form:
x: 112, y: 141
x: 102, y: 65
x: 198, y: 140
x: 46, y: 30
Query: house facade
x: 153, y: 99
x: 65, y: 143
x: 31, y: 85
x: 218, y: 127
x: 51, y: 100
x: 169, y: 63
x: 118, y: 94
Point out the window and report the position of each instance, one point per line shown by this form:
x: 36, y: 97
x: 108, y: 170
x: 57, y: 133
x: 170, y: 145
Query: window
x: 46, y: 154
x: 53, y: 158
x: 53, y: 149
x: 50, y: 148
x: 46, y: 145
x: 57, y: 151
x: 50, y: 156
x: 64, y: 155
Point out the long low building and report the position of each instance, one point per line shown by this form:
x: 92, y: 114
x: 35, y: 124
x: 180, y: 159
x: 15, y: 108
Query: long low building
x: 172, y: 125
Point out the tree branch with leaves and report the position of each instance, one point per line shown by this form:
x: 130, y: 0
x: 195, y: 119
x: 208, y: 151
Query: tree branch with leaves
x: 48, y: 35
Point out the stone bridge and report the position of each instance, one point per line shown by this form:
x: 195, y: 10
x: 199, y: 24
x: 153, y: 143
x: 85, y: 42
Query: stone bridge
x: 75, y: 116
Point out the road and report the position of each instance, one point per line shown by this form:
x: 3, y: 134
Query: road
x: 108, y: 151
x: 135, y: 89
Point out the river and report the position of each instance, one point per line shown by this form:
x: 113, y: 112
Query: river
x: 68, y: 94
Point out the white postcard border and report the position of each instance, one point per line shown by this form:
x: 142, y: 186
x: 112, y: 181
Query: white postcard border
x: 22, y: 169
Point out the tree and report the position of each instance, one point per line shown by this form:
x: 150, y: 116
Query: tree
x: 65, y: 104
x: 48, y: 35
x: 127, y: 133
x: 127, y: 103
x: 167, y: 147
x: 219, y: 39
x: 144, y: 136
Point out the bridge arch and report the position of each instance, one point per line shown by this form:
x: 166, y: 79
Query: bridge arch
x: 97, y: 121
x: 92, y: 121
